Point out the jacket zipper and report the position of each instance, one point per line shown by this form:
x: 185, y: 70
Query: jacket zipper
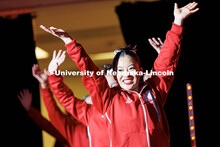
x: 90, y: 142
x: 145, y: 118
x: 108, y: 117
x: 145, y: 115
x: 110, y: 123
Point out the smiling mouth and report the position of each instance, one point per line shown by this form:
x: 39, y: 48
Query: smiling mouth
x: 127, y: 81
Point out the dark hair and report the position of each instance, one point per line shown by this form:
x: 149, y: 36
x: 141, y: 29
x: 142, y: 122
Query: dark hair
x: 128, y: 50
x: 107, y: 67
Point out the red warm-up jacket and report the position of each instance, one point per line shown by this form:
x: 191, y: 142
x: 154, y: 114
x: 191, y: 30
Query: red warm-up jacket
x: 72, y: 130
x: 135, y: 118
x: 83, y: 112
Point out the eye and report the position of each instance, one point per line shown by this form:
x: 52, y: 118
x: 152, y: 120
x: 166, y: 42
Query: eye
x: 120, y: 70
x: 131, y: 68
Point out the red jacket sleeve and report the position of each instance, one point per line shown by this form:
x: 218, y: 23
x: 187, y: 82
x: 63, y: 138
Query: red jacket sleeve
x: 44, y: 124
x: 96, y: 84
x: 76, y: 107
x: 167, y: 62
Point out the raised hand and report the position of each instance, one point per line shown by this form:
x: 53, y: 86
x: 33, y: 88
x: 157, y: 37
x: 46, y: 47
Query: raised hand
x: 181, y: 14
x: 58, y: 33
x: 157, y: 44
x: 56, y: 61
x: 25, y: 98
x: 40, y: 76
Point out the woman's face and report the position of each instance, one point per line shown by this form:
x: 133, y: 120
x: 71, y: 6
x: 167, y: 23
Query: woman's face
x: 126, y: 76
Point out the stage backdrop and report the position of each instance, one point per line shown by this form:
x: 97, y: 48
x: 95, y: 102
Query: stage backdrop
x: 18, y: 56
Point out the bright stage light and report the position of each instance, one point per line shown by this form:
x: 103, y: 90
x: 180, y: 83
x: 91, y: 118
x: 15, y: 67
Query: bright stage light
x: 40, y: 53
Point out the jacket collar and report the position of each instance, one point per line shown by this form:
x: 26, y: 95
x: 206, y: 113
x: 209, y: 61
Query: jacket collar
x: 142, y: 86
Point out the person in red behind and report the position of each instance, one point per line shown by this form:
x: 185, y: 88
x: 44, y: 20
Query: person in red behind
x: 134, y: 110
x: 25, y: 98
x: 72, y: 130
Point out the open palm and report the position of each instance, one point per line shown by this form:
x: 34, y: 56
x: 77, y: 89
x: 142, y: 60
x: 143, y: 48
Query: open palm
x: 25, y: 98
x: 185, y: 11
x: 39, y: 75
x: 63, y: 35
x: 56, y: 61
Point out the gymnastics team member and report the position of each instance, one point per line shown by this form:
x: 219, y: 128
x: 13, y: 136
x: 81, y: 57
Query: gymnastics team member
x: 71, y: 130
x: 134, y: 110
x: 85, y: 113
x: 25, y: 98
x: 82, y: 111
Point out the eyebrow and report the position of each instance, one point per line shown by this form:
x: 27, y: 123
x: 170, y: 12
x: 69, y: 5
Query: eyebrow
x: 128, y: 65
x: 131, y: 65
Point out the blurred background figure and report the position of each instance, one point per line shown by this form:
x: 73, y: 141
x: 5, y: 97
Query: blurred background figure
x: 25, y: 98
x: 72, y: 130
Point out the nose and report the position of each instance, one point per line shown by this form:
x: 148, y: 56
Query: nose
x: 125, y: 73
x: 128, y: 73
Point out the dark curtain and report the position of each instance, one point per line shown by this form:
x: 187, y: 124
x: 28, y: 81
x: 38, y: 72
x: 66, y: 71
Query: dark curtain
x: 142, y: 20
x: 18, y: 56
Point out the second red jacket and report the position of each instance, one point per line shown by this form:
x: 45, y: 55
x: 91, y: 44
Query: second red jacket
x: 83, y: 112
